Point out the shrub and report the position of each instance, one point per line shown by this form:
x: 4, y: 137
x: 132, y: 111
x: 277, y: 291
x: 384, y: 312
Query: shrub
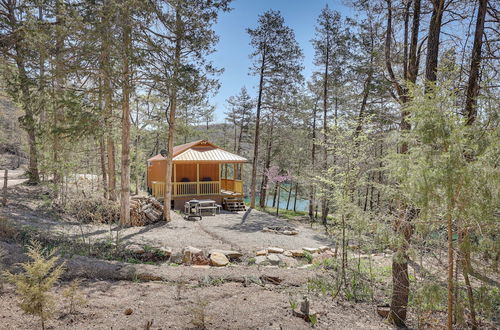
x: 74, y: 296
x: 199, y: 313
x: 93, y: 210
x: 7, y: 231
x: 35, y: 282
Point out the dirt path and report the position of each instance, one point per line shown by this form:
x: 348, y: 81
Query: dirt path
x: 14, y: 177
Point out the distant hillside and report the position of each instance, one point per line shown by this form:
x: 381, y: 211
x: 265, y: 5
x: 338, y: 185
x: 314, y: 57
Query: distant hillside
x: 12, y: 136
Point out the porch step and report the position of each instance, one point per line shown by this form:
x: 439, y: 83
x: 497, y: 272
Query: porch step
x: 233, y: 204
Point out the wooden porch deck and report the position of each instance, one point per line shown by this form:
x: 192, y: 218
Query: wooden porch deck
x: 224, y: 187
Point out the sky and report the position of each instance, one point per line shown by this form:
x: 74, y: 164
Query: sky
x: 233, y: 48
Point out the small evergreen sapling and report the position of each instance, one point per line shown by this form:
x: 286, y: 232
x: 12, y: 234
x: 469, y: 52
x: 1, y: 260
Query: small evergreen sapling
x: 74, y: 296
x: 33, y: 285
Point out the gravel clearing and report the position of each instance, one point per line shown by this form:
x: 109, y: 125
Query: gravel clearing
x: 241, y: 231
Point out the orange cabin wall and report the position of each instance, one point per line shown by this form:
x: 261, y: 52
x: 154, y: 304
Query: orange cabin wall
x: 157, y: 169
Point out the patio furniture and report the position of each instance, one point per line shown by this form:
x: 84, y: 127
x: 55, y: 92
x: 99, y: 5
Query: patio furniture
x: 206, y: 205
x: 191, y: 209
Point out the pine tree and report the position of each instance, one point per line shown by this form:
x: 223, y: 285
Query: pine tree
x: 177, y: 49
x: 34, y: 284
x: 331, y: 52
x: 276, y: 53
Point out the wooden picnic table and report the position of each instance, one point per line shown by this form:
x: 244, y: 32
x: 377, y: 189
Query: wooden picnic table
x: 208, y: 205
x: 199, y: 206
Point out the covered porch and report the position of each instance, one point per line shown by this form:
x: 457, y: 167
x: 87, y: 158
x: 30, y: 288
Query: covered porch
x: 203, y: 179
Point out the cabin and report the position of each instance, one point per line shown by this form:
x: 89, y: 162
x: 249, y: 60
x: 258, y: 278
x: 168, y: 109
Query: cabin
x: 201, y: 170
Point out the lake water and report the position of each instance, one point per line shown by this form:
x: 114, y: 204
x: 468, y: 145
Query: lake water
x: 302, y: 204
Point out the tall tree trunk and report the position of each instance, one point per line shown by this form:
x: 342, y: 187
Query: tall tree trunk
x: 267, y: 164
x: 105, y: 68
x: 464, y: 246
x: 364, y: 101
x: 312, y: 193
x: 402, y: 227
x: 58, y: 98
x: 475, y: 63
x: 289, y: 196
x: 167, y: 200
x: 433, y: 40
x: 240, y: 137
x: 136, y: 147
x: 471, y: 113
x: 449, y: 225
x: 295, y: 197
x: 253, y: 181
x: 324, y: 203
x: 125, y: 169
x: 28, y: 121
x: 102, y: 154
x: 235, y: 136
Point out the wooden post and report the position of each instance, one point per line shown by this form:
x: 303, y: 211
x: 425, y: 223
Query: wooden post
x: 197, y: 178
x: 174, y: 181
x: 5, y: 176
x: 220, y: 179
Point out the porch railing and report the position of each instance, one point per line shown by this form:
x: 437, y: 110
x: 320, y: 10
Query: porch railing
x: 232, y: 185
x: 187, y: 188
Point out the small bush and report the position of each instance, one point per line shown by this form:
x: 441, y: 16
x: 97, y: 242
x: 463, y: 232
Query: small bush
x: 34, y: 284
x: 74, y: 296
x: 7, y: 231
x: 199, y: 313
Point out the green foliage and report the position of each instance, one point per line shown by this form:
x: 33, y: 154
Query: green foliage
x: 33, y: 285
x: 308, y: 256
x: 451, y: 168
x: 488, y: 301
x: 429, y: 297
x: 323, y: 285
x: 74, y: 296
x: 293, y: 302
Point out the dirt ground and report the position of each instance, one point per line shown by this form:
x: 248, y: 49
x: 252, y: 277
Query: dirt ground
x: 228, y: 304
x: 240, y: 231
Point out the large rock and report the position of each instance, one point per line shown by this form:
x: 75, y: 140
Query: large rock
x: 192, y: 255
x: 135, y: 249
x: 289, y: 261
x: 261, y: 253
x: 261, y: 260
x: 176, y: 257
x: 218, y: 259
x: 311, y: 250
x: 165, y: 250
x: 297, y: 253
x: 228, y: 253
x: 275, y: 250
x: 274, y: 259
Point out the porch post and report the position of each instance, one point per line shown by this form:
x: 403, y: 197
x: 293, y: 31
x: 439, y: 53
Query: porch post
x: 174, y: 181
x: 220, y: 179
x: 197, y: 178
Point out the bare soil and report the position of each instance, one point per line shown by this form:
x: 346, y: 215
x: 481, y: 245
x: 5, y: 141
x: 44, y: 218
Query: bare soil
x: 229, y: 306
x: 172, y: 293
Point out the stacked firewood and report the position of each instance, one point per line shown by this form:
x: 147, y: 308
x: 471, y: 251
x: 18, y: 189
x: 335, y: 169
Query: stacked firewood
x: 145, y: 210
